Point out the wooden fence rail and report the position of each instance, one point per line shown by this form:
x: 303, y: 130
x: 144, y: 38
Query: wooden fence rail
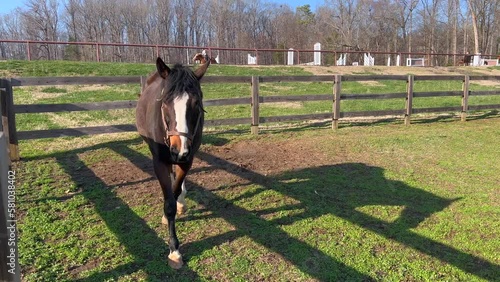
x: 9, y: 110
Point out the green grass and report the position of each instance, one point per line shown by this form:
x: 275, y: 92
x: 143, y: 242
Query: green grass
x: 72, y: 68
x: 389, y: 203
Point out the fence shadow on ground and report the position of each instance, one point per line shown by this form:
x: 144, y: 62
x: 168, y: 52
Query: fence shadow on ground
x: 339, y: 190
x: 326, y: 190
x: 246, y: 223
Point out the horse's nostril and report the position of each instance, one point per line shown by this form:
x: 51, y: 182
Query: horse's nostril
x: 177, y: 155
x: 174, y: 151
x: 183, y: 155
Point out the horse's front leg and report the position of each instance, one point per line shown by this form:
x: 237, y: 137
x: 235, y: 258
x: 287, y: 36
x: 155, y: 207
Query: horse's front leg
x: 163, y: 172
x: 179, y: 187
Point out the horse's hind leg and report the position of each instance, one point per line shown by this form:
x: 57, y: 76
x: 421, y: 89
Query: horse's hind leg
x: 180, y: 176
x: 172, y: 179
x: 181, y: 201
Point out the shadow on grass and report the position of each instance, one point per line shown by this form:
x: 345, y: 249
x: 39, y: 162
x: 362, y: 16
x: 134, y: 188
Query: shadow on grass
x: 453, y: 117
x: 339, y: 190
x: 148, y: 250
x: 484, y: 115
x: 327, y: 190
x: 248, y: 224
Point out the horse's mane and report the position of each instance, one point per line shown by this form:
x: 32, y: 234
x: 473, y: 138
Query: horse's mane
x: 180, y: 80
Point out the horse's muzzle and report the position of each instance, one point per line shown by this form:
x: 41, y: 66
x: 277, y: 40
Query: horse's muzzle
x: 179, y: 157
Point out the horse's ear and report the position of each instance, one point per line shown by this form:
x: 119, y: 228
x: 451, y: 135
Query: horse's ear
x: 199, y: 72
x: 162, y: 68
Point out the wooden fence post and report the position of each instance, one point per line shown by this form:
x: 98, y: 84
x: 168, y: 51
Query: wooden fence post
x: 409, y: 99
x: 4, y: 235
x: 9, y: 263
x: 465, y: 98
x: 9, y: 118
x: 337, y: 88
x: 255, y: 105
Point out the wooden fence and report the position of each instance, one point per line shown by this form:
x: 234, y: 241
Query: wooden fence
x: 9, y: 267
x: 9, y: 110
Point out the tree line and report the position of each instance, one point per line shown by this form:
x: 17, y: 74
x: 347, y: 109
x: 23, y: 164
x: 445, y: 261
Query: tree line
x: 426, y: 26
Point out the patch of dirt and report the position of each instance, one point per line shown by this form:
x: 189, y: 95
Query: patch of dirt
x: 487, y: 83
x: 38, y: 94
x: 264, y: 158
x: 347, y: 70
x: 371, y: 83
x: 287, y: 105
x: 104, y: 170
x: 94, y: 87
x: 216, y: 167
x: 74, y: 270
x: 66, y: 122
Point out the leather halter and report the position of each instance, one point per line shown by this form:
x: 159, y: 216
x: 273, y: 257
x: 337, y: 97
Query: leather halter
x: 174, y: 132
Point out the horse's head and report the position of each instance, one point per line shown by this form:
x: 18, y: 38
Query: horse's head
x: 182, y: 108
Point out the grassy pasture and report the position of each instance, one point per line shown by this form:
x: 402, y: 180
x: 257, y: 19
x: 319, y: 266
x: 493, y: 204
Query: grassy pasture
x: 99, y: 93
x: 364, y: 203
x: 385, y: 203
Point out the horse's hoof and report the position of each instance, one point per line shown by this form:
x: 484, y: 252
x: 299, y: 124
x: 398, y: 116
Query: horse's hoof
x: 164, y: 220
x: 181, y: 209
x: 175, y: 260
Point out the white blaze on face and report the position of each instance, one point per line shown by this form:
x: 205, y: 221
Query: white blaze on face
x: 180, y: 108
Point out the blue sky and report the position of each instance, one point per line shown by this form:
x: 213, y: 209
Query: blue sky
x: 7, y: 6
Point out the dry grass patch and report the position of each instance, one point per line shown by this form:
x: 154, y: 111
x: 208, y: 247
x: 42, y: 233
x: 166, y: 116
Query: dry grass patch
x: 371, y: 83
x: 287, y: 105
x: 487, y: 83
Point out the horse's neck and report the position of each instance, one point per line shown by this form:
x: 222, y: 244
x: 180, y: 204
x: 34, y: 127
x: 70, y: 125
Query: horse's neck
x: 149, y: 122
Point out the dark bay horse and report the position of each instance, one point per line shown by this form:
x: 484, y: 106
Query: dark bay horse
x: 169, y: 117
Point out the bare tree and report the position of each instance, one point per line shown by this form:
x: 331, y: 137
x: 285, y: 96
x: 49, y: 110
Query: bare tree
x: 483, y: 14
x: 345, y: 17
x: 41, y: 22
x: 405, y: 20
x: 430, y: 15
x: 380, y: 25
x: 452, y: 15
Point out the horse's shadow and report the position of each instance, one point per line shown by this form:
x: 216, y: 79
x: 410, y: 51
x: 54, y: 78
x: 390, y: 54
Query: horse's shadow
x: 345, y: 188
x: 341, y: 190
